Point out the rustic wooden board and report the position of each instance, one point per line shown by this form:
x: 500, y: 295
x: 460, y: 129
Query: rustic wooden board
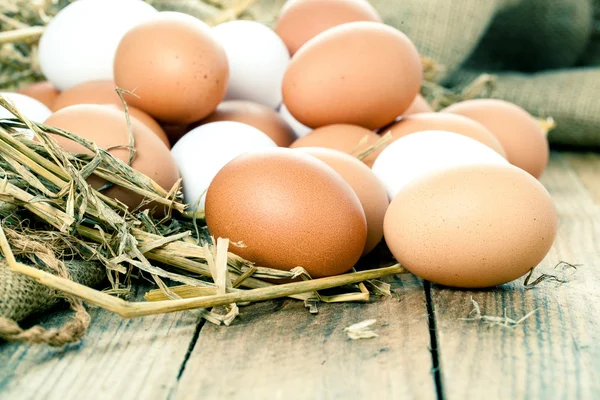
x: 555, y: 353
x: 279, y: 351
x: 118, y: 359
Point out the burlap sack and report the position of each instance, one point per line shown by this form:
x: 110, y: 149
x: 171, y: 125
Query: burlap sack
x: 538, y: 49
x: 21, y: 296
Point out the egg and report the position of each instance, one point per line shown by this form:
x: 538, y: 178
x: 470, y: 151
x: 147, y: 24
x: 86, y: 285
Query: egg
x: 519, y: 133
x: 79, y: 43
x: 103, y: 92
x: 445, y: 122
x: 300, y: 21
x: 368, y: 188
x: 472, y: 226
x: 299, y: 129
x: 107, y: 128
x: 360, y: 73
x: 288, y: 209
x: 175, y: 66
x: 343, y: 137
x: 203, y: 151
x: 31, y: 108
x: 44, y: 92
x: 257, y: 61
x: 419, y: 105
x: 257, y: 115
x: 414, y: 156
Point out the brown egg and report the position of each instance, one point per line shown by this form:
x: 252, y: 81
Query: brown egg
x: 44, y: 92
x: 289, y: 209
x: 107, y: 127
x: 368, y: 188
x: 257, y: 115
x: 360, y: 73
x: 146, y: 120
x: 445, y: 122
x: 175, y: 132
x: 302, y: 20
x: 419, y: 105
x: 346, y: 138
x: 521, y: 135
x: 176, y: 67
x: 472, y: 226
x: 103, y: 92
x: 92, y: 92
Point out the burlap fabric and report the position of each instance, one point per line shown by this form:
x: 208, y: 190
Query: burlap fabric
x: 545, y: 53
x: 21, y: 296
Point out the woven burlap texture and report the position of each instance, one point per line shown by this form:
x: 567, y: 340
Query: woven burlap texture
x: 21, y: 296
x: 545, y: 53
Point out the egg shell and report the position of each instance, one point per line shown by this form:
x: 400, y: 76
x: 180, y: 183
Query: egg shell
x: 107, y: 127
x: 302, y: 20
x: 257, y: 61
x: 342, y: 137
x: 298, y: 128
x: 365, y: 184
x: 519, y: 133
x: 445, y: 122
x: 202, y: 152
x: 289, y: 209
x: 257, y: 115
x: 80, y: 42
x: 360, y: 73
x: 414, y: 156
x: 176, y: 67
x: 419, y: 105
x: 103, y: 92
x: 31, y: 108
x: 472, y: 226
x: 44, y: 92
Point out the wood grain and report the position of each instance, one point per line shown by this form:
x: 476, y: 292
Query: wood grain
x: 118, y: 359
x: 279, y: 351
x: 555, y: 354
x: 587, y: 168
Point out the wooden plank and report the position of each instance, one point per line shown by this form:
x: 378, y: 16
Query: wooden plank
x: 124, y: 359
x: 587, y: 168
x: 277, y: 350
x: 555, y: 353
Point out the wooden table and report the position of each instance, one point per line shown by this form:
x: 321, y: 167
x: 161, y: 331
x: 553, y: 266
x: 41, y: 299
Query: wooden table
x: 425, y: 348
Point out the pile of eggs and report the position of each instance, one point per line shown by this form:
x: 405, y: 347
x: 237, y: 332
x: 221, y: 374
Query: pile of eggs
x: 266, y: 125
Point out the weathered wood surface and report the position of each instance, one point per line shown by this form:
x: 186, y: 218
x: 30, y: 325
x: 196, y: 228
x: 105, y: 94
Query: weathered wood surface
x: 554, y: 354
x: 283, y: 352
x: 277, y: 350
x: 118, y: 359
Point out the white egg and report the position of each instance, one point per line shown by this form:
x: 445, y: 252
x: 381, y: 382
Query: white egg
x: 421, y: 153
x: 202, y: 152
x: 31, y: 109
x: 257, y: 58
x: 80, y: 42
x: 298, y: 128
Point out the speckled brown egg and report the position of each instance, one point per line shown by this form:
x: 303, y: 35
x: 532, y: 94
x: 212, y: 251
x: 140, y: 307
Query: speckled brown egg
x: 472, y: 226
x: 44, y: 92
x: 445, y: 122
x: 519, y: 133
x: 302, y: 20
x: 419, y: 105
x: 360, y: 73
x: 343, y: 137
x: 257, y: 115
x: 368, y: 188
x: 289, y: 209
x: 176, y: 67
x: 107, y: 127
x: 103, y: 92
